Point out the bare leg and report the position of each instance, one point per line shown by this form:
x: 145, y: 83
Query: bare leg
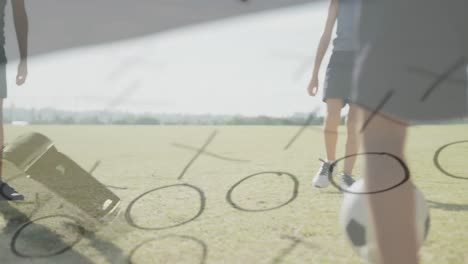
x: 1, y: 138
x: 332, y: 121
x: 392, y: 212
x: 352, y: 140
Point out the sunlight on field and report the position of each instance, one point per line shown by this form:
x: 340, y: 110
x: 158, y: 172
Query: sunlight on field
x: 242, y: 199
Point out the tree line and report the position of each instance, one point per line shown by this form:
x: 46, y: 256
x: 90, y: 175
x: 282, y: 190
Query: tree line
x: 54, y: 116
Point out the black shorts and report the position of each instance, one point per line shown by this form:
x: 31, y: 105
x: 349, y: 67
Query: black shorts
x: 339, y: 76
x: 412, y: 64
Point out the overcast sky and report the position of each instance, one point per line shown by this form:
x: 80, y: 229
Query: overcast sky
x: 257, y: 64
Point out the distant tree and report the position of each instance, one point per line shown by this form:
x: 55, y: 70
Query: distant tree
x: 65, y: 120
x: 147, y: 120
x: 91, y: 120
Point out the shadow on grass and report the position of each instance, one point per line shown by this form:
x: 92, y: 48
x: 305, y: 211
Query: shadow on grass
x: 447, y: 206
x: 110, y: 251
x: 16, y: 220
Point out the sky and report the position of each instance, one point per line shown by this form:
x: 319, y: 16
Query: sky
x: 257, y: 64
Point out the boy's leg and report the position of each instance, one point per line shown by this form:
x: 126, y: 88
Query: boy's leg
x: 392, y: 77
x: 352, y: 140
x: 392, y: 212
x: 351, y: 148
x: 331, y: 124
x: 2, y: 143
x: 330, y: 132
x: 6, y: 191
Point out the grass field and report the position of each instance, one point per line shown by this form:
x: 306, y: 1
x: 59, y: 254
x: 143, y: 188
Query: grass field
x: 138, y: 159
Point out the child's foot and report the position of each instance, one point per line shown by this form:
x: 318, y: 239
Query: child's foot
x: 8, y: 193
x: 321, y: 178
x: 346, y: 180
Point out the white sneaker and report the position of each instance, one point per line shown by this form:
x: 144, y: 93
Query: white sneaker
x: 321, y: 178
x: 346, y: 181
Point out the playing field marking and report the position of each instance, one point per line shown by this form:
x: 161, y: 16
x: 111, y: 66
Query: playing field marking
x: 123, y: 95
x: 116, y: 187
x: 200, y: 151
x: 403, y: 165
x: 129, y: 62
x: 431, y: 74
x: 454, y: 67
x: 121, y: 70
x: 95, y: 166
x: 303, y: 67
x: 37, y: 206
x: 202, y: 244
x: 80, y: 229
x: 202, y: 198
x: 296, y: 241
x: 209, y: 153
x: 278, y: 173
x: 377, y: 109
x: 439, y: 166
x: 301, y: 130
x: 443, y: 77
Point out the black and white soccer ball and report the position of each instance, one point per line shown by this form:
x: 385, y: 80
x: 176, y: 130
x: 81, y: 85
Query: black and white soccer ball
x: 354, y: 219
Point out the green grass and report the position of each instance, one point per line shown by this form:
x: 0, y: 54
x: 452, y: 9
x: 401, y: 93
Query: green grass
x: 142, y: 158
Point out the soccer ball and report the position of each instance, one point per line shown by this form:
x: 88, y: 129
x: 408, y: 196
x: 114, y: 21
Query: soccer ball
x: 354, y: 219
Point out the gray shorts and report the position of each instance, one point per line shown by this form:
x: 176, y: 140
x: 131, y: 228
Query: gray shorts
x: 413, y: 58
x: 3, y: 80
x: 339, y: 76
